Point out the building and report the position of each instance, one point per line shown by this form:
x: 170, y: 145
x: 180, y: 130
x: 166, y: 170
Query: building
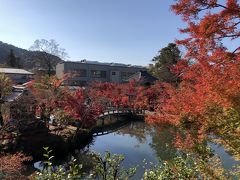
x: 20, y: 104
x: 144, y: 77
x: 84, y: 72
x: 18, y: 76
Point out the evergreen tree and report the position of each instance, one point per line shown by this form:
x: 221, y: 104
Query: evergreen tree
x: 164, y: 61
x: 18, y: 62
x: 13, y: 61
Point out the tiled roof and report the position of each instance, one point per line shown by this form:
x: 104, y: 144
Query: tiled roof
x: 14, y: 71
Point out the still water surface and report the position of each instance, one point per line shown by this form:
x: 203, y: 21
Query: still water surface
x: 139, y: 141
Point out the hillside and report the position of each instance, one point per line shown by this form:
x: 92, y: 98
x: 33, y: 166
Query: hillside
x: 28, y: 59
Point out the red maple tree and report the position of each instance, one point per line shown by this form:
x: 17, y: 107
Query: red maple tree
x: 113, y: 94
x: 12, y: 164
x: 80, y: 108
x: 48, y: 94
x: 209, y: 71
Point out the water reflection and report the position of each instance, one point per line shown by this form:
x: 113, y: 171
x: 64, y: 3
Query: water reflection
x: 162, y: 143
x: 159, y: 140
x: 139, y: 141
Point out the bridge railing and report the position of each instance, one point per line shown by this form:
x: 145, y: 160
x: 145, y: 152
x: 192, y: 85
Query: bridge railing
x: 117, y: 111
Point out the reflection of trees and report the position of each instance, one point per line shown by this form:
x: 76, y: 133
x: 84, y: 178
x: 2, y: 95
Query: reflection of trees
x: 162, y: 143
x: 162, y: 139
x: 230, y: 141
x: 138, y: 129
x: 168, y: 141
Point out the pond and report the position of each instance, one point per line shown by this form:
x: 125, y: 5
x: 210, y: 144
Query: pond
x: 139, y: 141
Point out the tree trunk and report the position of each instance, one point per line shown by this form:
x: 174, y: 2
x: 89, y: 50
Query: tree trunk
x: 1, y: 117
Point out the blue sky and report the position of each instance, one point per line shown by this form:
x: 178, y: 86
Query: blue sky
x: 125, y: 31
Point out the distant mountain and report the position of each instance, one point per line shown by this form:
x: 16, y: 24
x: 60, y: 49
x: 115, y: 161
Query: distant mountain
x: 28, y: 59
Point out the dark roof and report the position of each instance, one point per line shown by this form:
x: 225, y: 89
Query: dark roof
x: 143, y: 76
x: 16, y: 94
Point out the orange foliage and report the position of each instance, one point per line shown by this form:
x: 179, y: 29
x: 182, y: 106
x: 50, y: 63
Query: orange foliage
x: 209, y: 72
x: 52, y: 96
x: 128, y: 95
x: 48, y: 94
x: 13, y: 164
x: 113, y: 94
x: 76, y: 106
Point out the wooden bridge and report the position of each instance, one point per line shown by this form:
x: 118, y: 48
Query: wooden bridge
x: 122, y: 111
x: 115, y: 114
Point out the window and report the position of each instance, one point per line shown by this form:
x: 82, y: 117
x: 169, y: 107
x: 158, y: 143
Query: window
x: 114, y: 73
x: 79, y: 72
x: 126, y: 75
x: 98, y: 74
x: 78, y: 83
x: 24, y: 77
x: 131, y: 73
